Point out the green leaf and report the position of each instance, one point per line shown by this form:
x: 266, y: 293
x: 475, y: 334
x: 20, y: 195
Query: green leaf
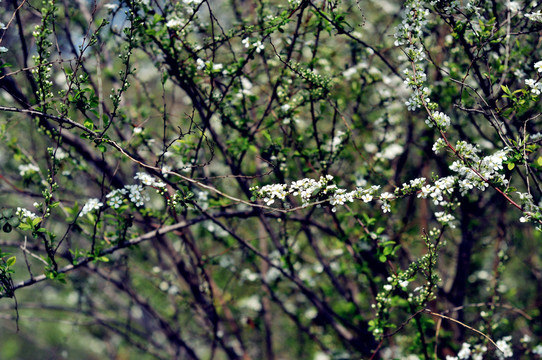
x: 24, y: 227
x: 11, y: 261
x: 102, y: 258
x: 14, y: 221
x: 89, y: 124
x: 511, y: 166
x: 7, y: 213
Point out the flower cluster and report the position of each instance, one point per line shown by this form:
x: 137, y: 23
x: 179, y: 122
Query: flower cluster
x: 534, y: 16
x: 445, y: 219
x: 367, y: 195
x: 385, y: 197
x: 413, y: 23
x: 208, y: 65
x: 116, y: 198
x: 504, y: 346
x: 478, y: 351
x: 148, y: 180
x: 340, y: 197
x: 534, y: 85
x: 28, y: 169
x: 135, y: 193
x: 439, y: 145
x: 92, y: 204
x: 272, y: 192
x: 257, y: 45
x: 528, y: 205
x: 23, y: 214
x: 412, y: 187
x: 310, y: 190
x: 441, y: 119
x: 466, y: 352
x: 441, y: 188
x: 488, y: 167
x: 175, y: 23
x: 418, y: 97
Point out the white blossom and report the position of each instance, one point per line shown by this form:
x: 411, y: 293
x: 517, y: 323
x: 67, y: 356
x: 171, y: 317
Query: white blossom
x: 92, y: 204
x: 534, y: 16
x: 28, y: 169
x: 24, y: 213
x: 465, y: 351
x: 148, y: 180
x: 174, y: 23
x: 504, y: 345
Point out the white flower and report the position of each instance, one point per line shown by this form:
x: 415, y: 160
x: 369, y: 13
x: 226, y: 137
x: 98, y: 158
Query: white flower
x: 388, y: 287
x: 445, y: 219
x: 23, y: 214
x: 366, y: 197
x: 425, y: 191
x: 514, y: 6
x: 321, y: 356
x: 28, y: 169
x: 386, y: 208
x: 441, y: 119
x: 137, y: 195
x: 115, y: 202
x: 386, y: 196
x: 252, y: 303
x: 526, y: 338
x: 348, y: 73
x: 174, y: 23
x: 3, y: 49
x: 259, y: 46
x: 165, y: 170
x: 272, y: 192
x: 504, y: 346
x: 148, y: 180
x: 92, y: 204
x: 534, y: 16
x: 392, y: 151
x: 465, y: 352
